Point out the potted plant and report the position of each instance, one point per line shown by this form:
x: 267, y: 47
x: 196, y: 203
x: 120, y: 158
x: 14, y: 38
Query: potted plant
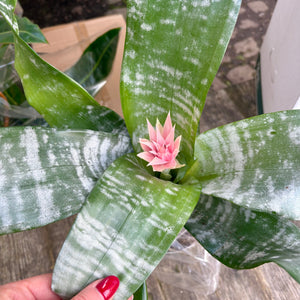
x: 234, y: 188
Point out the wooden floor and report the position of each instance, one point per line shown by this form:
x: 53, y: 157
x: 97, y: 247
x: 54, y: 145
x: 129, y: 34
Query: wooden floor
x: 33, y: 252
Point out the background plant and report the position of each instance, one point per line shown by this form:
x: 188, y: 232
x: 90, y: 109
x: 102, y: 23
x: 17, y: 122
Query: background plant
x: 245, y: 173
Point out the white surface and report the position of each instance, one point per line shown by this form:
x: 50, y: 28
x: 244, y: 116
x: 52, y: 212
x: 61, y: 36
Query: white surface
x: 297, y: 105
x: 280, y: 58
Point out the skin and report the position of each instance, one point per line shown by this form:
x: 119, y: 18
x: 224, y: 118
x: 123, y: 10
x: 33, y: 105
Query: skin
x: 39, y: 288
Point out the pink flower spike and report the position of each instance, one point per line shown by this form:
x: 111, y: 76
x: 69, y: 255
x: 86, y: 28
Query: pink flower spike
x: 161, y: 150
x: 167, y: 126
x: 151, y: 130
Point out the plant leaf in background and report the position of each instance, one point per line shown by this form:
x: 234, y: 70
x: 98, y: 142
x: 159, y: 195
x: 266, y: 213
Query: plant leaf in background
x: 46, y: 174
x: 29, y: 32
x: 242, y: 238
x: 126, y: 226
x: 254, y: 163
x: 172, y: 52
x: 96, y: 62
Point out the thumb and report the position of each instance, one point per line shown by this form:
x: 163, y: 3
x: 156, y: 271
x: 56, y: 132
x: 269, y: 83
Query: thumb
x: 99, y: 290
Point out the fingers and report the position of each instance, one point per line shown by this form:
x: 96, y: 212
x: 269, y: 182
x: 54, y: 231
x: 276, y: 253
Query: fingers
x: 99, y: 290
x: 38, y: 287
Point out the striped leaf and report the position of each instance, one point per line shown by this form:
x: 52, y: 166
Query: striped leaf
x: 242, y: 238
x: 254, y: 163
x: 172, y: 52
x: 46, y: 174
x: 126, y: 226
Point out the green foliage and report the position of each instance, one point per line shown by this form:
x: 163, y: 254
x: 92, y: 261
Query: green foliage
x: 28, y: 31
x: 254, y: 163
x: 173, y: 50
x: 90, y: 71
x: 96, y: 62
x: 242, y: 238
x: 14, y: 94
x: 46, y: 174
x: 141, y: 293
x: 124, y: 229
x: 248, y: 171
x: 60, y: 100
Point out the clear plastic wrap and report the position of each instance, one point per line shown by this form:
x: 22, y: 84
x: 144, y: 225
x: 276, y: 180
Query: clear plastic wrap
x: 8, y: 74
x: 19, y: 115
x: 188, y: 266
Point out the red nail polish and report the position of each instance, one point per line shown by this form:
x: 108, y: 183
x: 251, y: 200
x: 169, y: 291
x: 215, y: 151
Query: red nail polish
x: 108, y: 286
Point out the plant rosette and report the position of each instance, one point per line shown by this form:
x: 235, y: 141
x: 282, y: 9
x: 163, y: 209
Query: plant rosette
x: 234, y: 188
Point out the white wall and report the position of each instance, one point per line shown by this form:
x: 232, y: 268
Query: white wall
x: 280, y: 58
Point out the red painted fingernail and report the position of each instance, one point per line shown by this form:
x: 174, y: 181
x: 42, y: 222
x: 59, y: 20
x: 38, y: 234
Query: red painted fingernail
x: 108, y: 286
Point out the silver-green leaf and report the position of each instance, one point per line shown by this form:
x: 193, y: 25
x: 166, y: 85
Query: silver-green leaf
x: 242, y: 238
x: 254, y: 163
x: 46, y: 174
x: 173, y: 50
x: 126, y: 226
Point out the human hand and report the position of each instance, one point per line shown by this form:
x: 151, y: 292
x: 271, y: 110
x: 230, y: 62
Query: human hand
x: 39, y: 288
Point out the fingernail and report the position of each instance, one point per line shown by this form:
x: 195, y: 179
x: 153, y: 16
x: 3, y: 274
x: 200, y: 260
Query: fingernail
x: 108, y: 286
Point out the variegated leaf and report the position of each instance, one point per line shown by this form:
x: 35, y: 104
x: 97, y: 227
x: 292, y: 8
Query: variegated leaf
x: 242, y: 238
x: 46, y: 174
x: 254, y: 163
x: 127, y: 224
x: 173, y: 50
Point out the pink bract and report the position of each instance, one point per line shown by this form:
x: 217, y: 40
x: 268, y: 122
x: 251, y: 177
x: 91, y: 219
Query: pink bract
x: 161, y: 150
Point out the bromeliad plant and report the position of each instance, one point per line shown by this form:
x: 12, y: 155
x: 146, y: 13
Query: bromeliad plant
x: 234, y: 188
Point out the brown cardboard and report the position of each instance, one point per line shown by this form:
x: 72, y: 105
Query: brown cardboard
x: 67, y: 42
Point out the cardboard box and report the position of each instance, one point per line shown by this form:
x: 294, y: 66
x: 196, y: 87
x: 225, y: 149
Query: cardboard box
x: 67, y: 43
